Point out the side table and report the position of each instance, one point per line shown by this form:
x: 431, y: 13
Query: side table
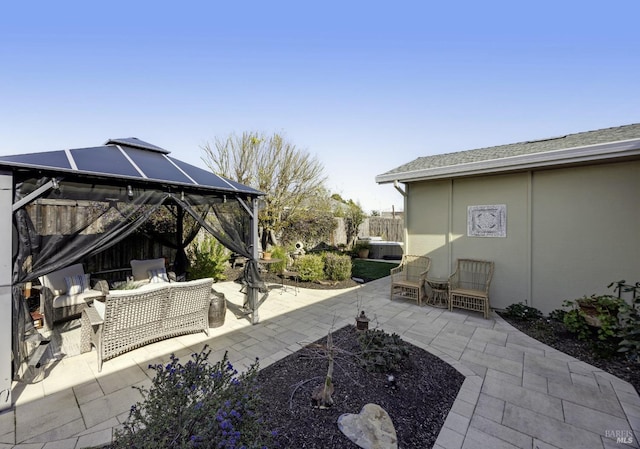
x: 90, y: 331
x: 439, y: 292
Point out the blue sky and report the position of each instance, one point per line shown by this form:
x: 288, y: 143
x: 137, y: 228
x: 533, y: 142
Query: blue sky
x: 364, y: 86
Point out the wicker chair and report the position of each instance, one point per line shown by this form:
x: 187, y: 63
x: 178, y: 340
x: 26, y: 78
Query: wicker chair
x: 408, y: 278
x: 469, y: 285
x: 57, y: 303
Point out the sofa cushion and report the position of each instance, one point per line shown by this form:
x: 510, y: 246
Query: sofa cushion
x: 73, y: 300
x: 140, y: 268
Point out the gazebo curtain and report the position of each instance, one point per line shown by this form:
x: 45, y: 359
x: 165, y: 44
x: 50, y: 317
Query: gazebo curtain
x: 79, y: 219
x: 230, y: 224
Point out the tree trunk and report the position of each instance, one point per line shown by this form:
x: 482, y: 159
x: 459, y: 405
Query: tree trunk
x: 327, y: 400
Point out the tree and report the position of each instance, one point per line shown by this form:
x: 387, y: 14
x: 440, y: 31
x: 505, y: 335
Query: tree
x: 314, y: 223
x: 287, y: 175
x: 354, y: 217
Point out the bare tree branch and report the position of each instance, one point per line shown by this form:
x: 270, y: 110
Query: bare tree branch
x: 290, y: 177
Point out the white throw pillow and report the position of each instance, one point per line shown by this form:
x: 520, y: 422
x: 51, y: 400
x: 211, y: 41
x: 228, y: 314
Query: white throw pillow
x: 76, y: 284
x: 157, y: 276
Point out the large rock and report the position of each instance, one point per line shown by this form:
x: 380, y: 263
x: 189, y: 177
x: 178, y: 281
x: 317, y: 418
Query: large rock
x: 372, y: 428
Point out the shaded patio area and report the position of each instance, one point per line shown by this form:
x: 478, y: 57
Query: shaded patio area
x: 518, y: 393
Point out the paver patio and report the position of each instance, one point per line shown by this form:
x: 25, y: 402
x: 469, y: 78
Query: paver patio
x: 518, y: 392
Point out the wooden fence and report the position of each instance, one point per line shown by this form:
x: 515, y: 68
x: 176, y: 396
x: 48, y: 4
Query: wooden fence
x: 390, y: 229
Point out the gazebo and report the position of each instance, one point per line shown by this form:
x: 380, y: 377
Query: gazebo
x: 69, y: 205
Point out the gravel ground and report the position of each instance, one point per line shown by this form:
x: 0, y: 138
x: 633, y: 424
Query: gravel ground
x: 418, y: 405
x: 555, y: 334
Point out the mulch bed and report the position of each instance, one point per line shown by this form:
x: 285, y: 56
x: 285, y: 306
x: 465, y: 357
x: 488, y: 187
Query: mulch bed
x: 418, y: 404
x: 555, y: 334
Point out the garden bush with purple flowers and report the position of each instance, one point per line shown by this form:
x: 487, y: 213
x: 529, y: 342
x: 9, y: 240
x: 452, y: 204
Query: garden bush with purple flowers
x: 197, y: 405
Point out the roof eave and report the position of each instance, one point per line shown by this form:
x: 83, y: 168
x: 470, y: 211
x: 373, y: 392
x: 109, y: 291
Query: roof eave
x: 557, y: 158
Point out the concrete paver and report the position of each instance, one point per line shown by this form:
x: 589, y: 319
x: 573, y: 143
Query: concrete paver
x: 518, y: 392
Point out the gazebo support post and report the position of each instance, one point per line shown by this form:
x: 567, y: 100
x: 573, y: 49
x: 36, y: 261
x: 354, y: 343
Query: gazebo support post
x: 252, y: 292
x: 6, y: 306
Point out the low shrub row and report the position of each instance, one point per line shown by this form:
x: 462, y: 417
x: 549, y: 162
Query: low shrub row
x: 316, y: 267
x: 611, y: 324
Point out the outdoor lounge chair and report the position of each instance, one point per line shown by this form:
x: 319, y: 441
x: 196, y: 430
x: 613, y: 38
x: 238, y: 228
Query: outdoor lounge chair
x: 408, y: 278
x: 469, y: 285
x: 145, y: 270
x: 65, y: 293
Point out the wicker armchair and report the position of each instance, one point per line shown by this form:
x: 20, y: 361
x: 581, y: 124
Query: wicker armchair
x: 469, y: 285
x: 59, y: 304
x: 408, y: 278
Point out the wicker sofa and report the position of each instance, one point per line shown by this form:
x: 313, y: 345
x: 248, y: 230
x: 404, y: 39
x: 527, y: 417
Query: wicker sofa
x: 129, y: 319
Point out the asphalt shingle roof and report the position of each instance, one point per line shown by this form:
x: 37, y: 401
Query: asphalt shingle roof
x: 607, y: 135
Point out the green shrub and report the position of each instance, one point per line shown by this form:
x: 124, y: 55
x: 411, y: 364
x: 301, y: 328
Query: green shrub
x: 278, y: 252
x: 337, y: 267
x: 557, y: 315
x: 595, y: 319
x: 629, y: 332
x: 604, y: 312
x: 629, y: 321
x: 310, y: 267
x: 196, y: 404
x: 207, y: 259
x: 382, y: 352
x: 522, y: 312
x: 615, y: 324
x: 576, y: 324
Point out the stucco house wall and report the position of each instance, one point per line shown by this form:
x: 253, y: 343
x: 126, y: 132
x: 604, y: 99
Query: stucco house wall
x: 571, y: 228
x: 585, y: 231
x: 570, y: 232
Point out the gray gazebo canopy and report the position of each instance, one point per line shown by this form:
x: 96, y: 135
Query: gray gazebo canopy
x: 127, y: 159
x: 72, y: 204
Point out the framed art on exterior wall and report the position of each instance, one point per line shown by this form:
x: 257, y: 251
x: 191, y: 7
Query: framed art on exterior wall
x: 487, y: 221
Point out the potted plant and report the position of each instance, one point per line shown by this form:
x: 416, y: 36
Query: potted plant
x: 361, y: 249
x: 266, y: 254
x: 596, y: 309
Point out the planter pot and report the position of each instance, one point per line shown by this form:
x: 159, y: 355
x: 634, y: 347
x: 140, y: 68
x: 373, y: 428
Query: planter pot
x: 266, y: 255
x: 591, y: 315
x: 217, y: 309
x: 363, y: 254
